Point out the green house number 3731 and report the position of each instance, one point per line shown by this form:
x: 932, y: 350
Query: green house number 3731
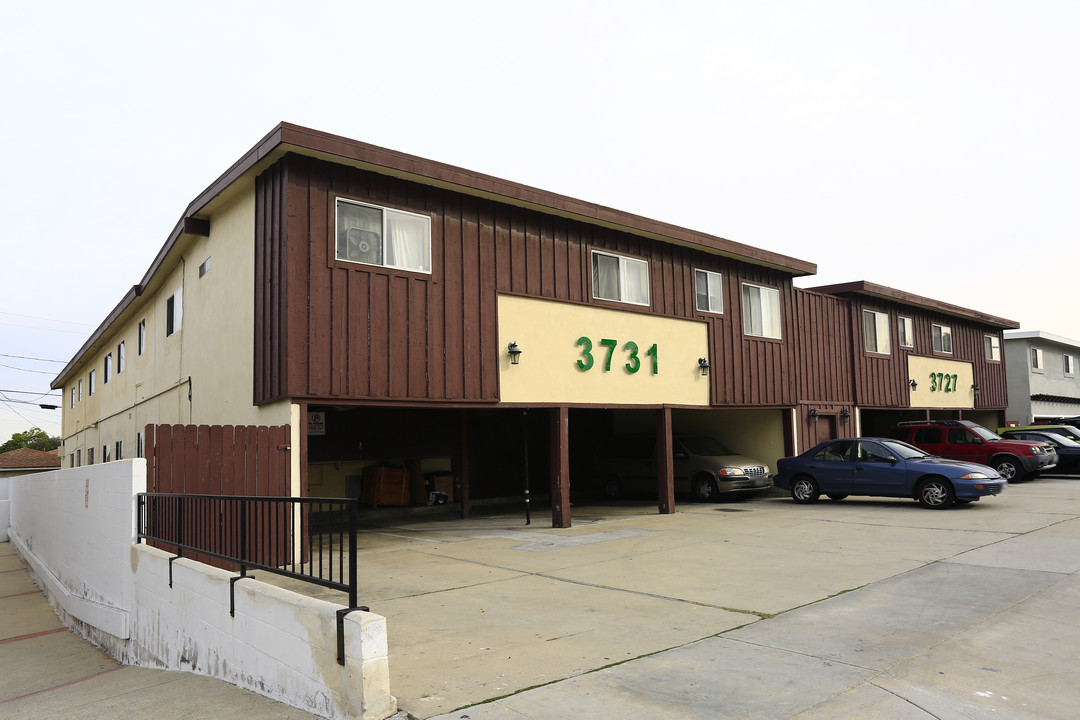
x: 630, y: 352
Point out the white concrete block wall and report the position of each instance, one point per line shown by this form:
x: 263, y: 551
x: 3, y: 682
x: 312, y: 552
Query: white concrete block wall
x: 76, y: 529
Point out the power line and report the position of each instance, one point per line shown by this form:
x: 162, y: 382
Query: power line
x: 34, y: 317
x: 40, y: 372
x: 23, y: 357
x: 31, y: 327
x: 30, y: 392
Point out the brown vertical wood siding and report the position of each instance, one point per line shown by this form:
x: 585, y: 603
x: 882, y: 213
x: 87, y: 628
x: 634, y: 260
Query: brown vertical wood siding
x: 327, y: 329
x: 822, y: 338
x: 883, y: 381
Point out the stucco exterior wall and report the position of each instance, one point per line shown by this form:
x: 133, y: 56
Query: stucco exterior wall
x: 1051, y: 379
x: 200, y: 374
x: 76, y: 529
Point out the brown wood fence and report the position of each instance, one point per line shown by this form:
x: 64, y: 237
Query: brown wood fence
x: 244, y: 460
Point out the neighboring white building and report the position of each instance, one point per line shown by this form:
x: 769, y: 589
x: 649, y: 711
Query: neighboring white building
x: 1044, y: 381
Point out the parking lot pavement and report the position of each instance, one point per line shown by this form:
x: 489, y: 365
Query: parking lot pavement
x: 862, y: 608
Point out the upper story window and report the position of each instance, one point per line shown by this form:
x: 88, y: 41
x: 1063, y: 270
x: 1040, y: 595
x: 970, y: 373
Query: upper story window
x: 142, y: 336
x: 876, y: 332
x: 80, y: 389
x: 108, y: 368
x: 761, y: 311
x: 120, y: 358
x: 73, y: 397
x: 375, y: 235
x: 942, y: 337
x: 93, y: 381
x: 205, y: 267
x: 992, y: 345
x: 709, y: 289
x: 1069, y: 363
x: 906, y: 331
x: 619, y: 278
x: 174, y: 312
x: 1037, y: 359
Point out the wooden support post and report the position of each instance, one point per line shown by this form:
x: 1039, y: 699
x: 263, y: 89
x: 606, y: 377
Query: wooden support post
x: 665, y: 461
x: 560, y: 467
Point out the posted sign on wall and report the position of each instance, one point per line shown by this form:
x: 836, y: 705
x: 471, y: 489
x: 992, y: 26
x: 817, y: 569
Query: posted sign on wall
x: 581, y: 354
x: 941, y: 383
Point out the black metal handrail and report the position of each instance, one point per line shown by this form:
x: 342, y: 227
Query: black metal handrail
x: 309, y: 539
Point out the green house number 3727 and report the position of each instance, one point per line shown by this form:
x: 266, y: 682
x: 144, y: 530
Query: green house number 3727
x: 942, y: 382
x: 630, y: 352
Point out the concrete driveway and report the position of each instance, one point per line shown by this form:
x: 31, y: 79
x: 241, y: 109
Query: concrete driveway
x: 862, y: 608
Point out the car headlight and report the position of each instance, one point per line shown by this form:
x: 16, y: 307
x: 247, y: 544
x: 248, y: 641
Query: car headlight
x: 975, y: 476
x: 730, y: 471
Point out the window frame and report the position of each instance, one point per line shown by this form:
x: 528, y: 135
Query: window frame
x: 1037, y: 361
x: 92, y: 382
x: 992, y: 347
x: 905, y: 327
x: 73, y: 397
x: 1068, y: 364
x: 387, y: 213
x: 879, y: 316
x: 946, y: 331
x: 748, y: 323
x: 174, y: 312
x: 709, y: 275
x: 119, y: 454
x: 142, y: 336
x: 621, y: 259
x: 120, y: 360
x: 106, y: 374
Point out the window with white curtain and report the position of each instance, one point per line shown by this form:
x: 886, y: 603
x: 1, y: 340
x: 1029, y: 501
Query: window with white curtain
x: 942, y: 338
x: 709, y: 289
x: 906, y: 331
x: 374, y: 235
x: 761, y: 311
x: 992, y: 346
x: 876, y: 332
x: 619, y: 278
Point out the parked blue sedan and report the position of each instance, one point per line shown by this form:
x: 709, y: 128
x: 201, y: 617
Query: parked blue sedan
x: 883, y: 467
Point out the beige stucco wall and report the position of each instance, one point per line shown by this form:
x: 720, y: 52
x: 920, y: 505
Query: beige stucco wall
x: 925, y: 396
x: 547, y: 333
x: 201, y: 374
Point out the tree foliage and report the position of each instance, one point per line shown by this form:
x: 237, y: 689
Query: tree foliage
x: 34, y: 438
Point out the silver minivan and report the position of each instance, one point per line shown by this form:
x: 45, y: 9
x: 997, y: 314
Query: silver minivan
x: 704, y: 467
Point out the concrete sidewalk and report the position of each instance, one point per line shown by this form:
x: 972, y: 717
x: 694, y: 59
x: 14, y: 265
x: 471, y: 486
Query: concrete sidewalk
x: 760, y: 609
x: 48, y: 673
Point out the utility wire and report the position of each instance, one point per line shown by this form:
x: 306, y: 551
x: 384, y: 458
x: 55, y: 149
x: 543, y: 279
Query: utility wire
x: 31, y: 327
x: 34, y: 317
x: 23, y: 357
x: 30, y: 392
x: 40, y: 372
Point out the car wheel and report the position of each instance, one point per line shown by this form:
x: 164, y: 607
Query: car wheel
x: 705, y: 490
x: 1009, y: 468
x: 804, y: 489
x: 612, y: 487
x: 936, y: 493
x: 835, y: 496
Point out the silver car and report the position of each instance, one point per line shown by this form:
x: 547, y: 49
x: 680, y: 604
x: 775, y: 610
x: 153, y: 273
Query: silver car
x: 704, y: 467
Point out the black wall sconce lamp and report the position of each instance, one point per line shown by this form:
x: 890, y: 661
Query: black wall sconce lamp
x: 845, y: 415
x: 514, y: 352
x: 813, y: 415
x: 703, y: 364
x: 914, y: 385
x: 975, y: 388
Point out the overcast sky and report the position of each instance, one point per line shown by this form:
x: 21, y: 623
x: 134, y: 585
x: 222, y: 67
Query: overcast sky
x: 928, y: 145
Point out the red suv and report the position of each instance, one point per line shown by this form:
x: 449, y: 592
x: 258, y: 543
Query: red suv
x: 1014, y: 460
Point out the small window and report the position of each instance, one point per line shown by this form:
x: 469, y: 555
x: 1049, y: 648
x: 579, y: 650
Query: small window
x: 1037, y: 359
x: 907, y: 334
x: 876, y: 332
x: 142, y: 336
x: 93, y: 382
x: 80, y: 389
x: 104, y: 453
x: 709, y: 289
x: 78, y: 458
x: 942, y: 336
x: 375, y: 235
x: 120, y: 358
x: 761, y: 311
x: 89, y: 456
x: 1069, y: 363
x: 619, y: 278
x: 205, y: 267
x: 107, y: 375
x: 174, y: 312
x: 119, y: 449
x: 73, y: 397
x: 993, y: 347
x: 138, y: 444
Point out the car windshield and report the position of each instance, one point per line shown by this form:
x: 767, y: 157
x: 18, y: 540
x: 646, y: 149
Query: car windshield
x: 902, y: 449
x: 1059, y: 439
x: 705, y: 446
x: 985, y: 434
